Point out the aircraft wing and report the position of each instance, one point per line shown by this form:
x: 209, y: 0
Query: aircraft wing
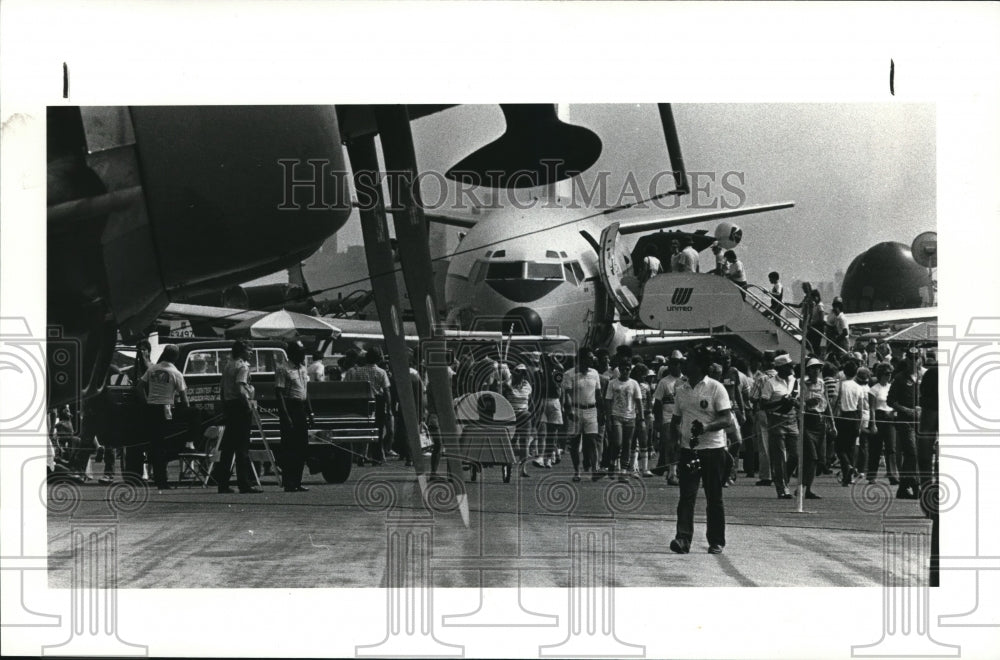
x: 887, y: 317
x: 464, y: 223
x: 648, y: 337
x: 636, y: 225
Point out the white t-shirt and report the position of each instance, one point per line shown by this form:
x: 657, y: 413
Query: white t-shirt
x: 624, y: 396
x: 664, y: 392
x: 881, y: 393
x: 734, y: 271
x: 852, y: 396
x: 653, y: 266
x: 774, y: 389
x: 703, y: 402
x: 687, y: 261
x: 583, y: 387
x: 165, y: 381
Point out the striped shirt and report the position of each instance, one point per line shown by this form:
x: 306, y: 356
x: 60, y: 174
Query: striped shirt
x: 519, y: 396
x: 373, y: 374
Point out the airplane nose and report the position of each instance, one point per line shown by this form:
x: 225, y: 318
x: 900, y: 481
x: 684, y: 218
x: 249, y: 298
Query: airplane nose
x: 524, y: 320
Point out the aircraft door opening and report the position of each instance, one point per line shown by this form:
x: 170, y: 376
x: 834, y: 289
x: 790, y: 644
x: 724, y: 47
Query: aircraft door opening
x: 617, y: 273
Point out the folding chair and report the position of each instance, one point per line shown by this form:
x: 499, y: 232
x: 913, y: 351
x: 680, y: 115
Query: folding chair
x: 201, y: 462
x: 263, y: 455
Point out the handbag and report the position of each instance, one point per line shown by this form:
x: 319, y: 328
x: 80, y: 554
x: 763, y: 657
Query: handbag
x: 426, y: 441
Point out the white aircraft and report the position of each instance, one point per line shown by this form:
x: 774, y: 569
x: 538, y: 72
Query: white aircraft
x: 556, y: 270
x: 539, y: 270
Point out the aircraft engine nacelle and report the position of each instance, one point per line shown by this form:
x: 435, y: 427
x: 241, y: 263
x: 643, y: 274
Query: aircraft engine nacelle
x: 152, y: 204
x: 728, y: 235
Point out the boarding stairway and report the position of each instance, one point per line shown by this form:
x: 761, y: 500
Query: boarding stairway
x: 696, y: 303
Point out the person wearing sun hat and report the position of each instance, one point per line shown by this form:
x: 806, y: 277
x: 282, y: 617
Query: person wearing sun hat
x: 663, y: 410
x: 817, y: 414
x: 778, y: 397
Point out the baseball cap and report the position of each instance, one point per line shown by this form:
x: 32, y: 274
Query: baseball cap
x: 814, y: 362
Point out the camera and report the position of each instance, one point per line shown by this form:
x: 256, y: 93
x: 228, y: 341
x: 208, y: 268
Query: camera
x: 697, y: 428
x: 692, y: 462
x: 36, y: 370
x: 963, y: 360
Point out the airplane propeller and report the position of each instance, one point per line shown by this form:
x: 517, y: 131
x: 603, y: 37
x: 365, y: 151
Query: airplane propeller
x: 537, y: 149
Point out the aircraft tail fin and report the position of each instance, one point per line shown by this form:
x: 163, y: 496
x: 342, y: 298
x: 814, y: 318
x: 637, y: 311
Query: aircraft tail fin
x: 296, y: 276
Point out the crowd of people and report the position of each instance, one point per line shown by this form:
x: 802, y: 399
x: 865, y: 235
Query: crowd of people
x: 699, y: 418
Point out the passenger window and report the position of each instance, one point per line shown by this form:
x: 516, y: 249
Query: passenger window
x: 202, y: 362
x: 267, y: 360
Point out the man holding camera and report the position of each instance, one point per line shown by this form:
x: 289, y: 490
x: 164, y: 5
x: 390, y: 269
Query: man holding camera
x: 701, y: 416
x: 779, y: 398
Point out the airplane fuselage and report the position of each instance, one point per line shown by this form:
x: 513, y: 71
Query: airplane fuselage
x: 531, y: 267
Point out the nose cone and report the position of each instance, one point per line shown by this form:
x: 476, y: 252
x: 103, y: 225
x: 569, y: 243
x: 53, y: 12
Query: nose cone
x: 524, y: 320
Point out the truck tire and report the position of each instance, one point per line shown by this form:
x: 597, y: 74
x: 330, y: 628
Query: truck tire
x: 336, y: 468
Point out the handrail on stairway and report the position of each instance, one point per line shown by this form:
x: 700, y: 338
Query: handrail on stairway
x: 763, y: 306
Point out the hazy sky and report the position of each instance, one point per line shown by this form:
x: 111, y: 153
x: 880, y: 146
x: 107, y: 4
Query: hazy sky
x: 859, y: 173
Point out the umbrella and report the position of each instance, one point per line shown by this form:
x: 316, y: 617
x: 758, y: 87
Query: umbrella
x: 284, y: 325
x: 918, y: 333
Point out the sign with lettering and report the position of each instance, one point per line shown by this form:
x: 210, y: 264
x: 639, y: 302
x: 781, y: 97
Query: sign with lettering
x: 690, y: 301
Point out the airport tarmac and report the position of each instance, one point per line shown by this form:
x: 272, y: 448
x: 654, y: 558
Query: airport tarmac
x: 196, y: 537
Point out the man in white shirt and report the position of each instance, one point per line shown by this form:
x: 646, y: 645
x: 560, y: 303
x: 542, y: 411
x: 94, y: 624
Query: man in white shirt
x: 663, y: 410
x: 779, y: 398
x: 626, y: 403
x: 850, y: 401
x: 761, y: 376
x: 687, y: 259
x: 701, y: 416
x: 651, y: 264
x: 316, y: 370
x: 584, y: 406
x: 163, y: 383
x: 838, y: 329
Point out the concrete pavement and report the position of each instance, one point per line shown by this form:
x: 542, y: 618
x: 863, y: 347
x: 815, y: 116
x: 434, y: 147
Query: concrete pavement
x: 194, y: 537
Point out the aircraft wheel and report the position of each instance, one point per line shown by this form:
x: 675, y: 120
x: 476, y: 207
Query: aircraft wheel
x: 337, y: 467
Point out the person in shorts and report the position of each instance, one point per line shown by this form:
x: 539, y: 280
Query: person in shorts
x: 584, y: 408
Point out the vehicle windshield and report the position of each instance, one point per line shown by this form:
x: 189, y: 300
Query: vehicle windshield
x: 213, y: 361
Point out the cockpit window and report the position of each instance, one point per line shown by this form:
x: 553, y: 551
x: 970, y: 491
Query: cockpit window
x: 505, y: 270
x: 578, y: 270
x: 570, y: 277
x: 543, y: 271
